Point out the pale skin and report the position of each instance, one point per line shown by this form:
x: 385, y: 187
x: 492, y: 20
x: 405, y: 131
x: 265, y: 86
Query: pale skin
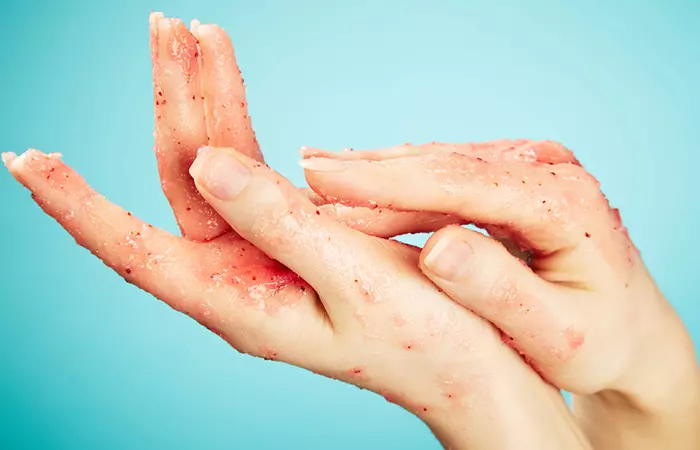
x: 586, y: 312
x: 353, y: 306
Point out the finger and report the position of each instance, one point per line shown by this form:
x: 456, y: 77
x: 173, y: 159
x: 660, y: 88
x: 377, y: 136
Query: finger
x: 412, y: 150
x: 388, y: 223
x: 524, y: 198
x: 478, y: 272
x: 143, y: 255
x: 226, y: 284
x: 226, y: 110
x: 180, y: 126
x: 381, y: 222
x: 313, y: 197
x: 548, y: 152
x: 267, y: 210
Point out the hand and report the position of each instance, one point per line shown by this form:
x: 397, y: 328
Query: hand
x: 379, y: 323
x: 585, y: 313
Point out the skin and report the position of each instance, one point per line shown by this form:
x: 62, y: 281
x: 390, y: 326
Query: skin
x: 199, y: 100
x: 585, y: 313
x: 281, y: 274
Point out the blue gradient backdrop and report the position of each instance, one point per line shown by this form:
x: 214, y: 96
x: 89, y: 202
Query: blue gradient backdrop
x: 90, y: 362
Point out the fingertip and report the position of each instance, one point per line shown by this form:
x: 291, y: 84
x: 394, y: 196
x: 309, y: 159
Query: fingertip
x: 207, y: 151
x: 153, y: 19
x: 222, y: 172
x: 8, y: 159
x: 322, y: 164
x: 444, y: 233
x: 31, y: 160
x: 200, y: 157
x: 310, y: 152
x: 199, y: 29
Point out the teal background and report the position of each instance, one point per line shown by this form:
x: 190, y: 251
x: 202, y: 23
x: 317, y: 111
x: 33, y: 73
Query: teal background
x: 90, y: 362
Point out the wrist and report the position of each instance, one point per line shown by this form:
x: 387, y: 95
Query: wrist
x: 610, y: 420
x: 664, y: 376
x: 515, y: 412
x: 656, y: 403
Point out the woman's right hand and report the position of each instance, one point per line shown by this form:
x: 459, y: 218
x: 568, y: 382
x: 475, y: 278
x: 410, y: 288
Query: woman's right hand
x: 585, y: 311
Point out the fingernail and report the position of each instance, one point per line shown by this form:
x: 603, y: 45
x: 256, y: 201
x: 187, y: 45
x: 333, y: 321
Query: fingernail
x: 447, y: 258
x: 194, y: 24
x: 323, y: 164
x: 8, y: 158
x: 307, y: 152
x: 219, y: 173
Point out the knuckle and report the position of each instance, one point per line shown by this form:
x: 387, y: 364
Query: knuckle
x: 548, y: 144
x: 504, y: 292
x: 282, y: 226
x: 272, y: 229
x: 451, y: 160
x: 553, y: 152
x: 262, y: 222
x: 576, y: 191
x: 566, y: 345
x: 579, y: 180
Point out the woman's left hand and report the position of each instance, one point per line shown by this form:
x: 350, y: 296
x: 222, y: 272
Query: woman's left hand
x: 372, y: 319
x: 585, y: 312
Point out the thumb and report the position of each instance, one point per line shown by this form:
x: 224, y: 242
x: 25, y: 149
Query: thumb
x: 268, y: 211
x: 479, y: 273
